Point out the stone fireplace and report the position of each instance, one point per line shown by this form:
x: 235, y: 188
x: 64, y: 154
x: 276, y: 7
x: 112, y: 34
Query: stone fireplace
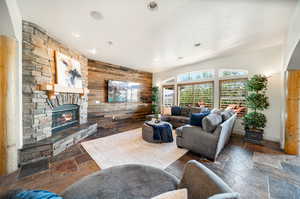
x: 47, y: 114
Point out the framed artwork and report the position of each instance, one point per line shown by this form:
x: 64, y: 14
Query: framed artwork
x: 68, y: 71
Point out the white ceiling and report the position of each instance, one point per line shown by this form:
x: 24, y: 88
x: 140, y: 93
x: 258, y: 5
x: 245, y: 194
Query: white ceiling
x: 153, y: 40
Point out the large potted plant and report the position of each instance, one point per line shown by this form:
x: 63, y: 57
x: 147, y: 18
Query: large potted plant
x: 256, y: 101
x: 155, y: 102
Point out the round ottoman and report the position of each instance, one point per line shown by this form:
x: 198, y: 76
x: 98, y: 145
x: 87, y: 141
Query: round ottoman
x: 123, y: 182
x: 147, y: 131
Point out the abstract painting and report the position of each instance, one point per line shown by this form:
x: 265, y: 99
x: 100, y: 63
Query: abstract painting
x: 68, y: 71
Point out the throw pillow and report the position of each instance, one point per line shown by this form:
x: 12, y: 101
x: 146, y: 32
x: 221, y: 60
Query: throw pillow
x: 176, y: 110
x: 210, y: 122
x: 227, y: 114
x: 196, y: 118
x: 216, y: 111
x: 176, y: 194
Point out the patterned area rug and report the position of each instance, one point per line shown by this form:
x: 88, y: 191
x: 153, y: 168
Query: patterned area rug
x: 130, y: 148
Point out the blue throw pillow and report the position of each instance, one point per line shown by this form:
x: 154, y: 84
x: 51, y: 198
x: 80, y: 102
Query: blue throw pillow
x: 196, y: 118
x: 37, y: 194
x: 176, y: 110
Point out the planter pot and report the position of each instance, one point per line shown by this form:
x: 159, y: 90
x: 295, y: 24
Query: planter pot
x: 254, y: 136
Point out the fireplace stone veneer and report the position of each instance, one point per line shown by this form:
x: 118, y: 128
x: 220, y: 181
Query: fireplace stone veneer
x: 39, y: 68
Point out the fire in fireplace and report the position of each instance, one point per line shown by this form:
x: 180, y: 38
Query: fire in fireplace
x: 64, y: 117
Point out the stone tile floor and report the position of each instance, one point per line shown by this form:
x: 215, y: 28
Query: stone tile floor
x: 249, y: 169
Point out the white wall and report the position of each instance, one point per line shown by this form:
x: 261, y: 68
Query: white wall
x: 292, y: 38
x: 11, y: 26
x: 267, y: 61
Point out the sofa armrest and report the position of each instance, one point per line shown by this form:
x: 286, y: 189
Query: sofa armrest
x: 201, y: 182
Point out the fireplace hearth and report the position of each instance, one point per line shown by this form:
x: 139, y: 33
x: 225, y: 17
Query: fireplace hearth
x: 64, y: 116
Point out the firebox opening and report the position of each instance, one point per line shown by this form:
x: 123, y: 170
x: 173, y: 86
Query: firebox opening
x: 64, y: 117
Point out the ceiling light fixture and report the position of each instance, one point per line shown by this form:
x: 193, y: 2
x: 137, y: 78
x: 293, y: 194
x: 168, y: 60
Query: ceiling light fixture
x: 93, y: 51
x: 179, y: 57
x: 96, y: 15
x: 110, y: 43
x: 76, y: 35
x: 152, y: 6
x: 197, y: 44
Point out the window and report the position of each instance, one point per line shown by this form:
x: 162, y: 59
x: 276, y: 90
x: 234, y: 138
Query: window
x: 168, y: 96
x: 169, y: 81
x: 195, y: 76
x: 193, y: 94
x: 233, y: 92
x: 232, y: 73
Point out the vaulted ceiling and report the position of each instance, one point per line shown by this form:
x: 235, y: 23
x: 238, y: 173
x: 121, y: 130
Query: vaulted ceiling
x: 128, y: 33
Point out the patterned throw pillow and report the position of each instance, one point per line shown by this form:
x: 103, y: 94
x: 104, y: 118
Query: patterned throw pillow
x: 176, y: 194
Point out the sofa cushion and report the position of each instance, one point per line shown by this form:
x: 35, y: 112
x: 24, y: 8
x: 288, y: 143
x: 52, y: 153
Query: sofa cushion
x: 185, y: 111
x: 196, y: 118
x: 180, y: 119
x: 210, y: 122
x: 216, y: 111
x: 176, y: 110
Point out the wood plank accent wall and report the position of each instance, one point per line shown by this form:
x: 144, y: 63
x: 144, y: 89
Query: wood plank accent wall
x: 292, y: 122
x: 114, y: 115
x: 7, y: 63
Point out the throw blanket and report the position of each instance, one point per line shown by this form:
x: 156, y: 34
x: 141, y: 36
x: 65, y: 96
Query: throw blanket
x: 37, y: 194
x: 162, y: 132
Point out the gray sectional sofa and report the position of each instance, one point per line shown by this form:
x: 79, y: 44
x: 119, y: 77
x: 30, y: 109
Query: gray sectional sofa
x: 183, y: 118
x: 210, y: 139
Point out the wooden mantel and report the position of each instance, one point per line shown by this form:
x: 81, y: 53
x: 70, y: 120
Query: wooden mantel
x: 54, y: 89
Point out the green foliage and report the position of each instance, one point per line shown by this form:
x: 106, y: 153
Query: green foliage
x: 255, y: 120
x: 155, y: 100
x: 257, y: 83
x: 256, y: 101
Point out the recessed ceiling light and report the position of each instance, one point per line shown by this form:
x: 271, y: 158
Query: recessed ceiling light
x: 152, y: 5
x: 110, y: 43
x: 93, y: 51
x: 197, y: 44
x: 155, y: 59
x: 179, y: 57
x: 96, y: 15
x: 76, y: 35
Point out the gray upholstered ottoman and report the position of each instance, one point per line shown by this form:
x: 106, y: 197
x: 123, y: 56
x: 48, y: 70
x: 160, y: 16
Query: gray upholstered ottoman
x: 123, y: 182
x: 147, y: 131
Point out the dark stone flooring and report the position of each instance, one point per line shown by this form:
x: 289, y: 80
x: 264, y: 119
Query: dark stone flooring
x: 235, y: 165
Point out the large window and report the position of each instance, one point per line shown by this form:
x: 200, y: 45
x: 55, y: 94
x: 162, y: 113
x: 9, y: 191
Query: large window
x: 195, y: 94
x: 232, y: 92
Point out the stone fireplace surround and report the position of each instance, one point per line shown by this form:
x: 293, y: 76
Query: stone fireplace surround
x: 38, y: 69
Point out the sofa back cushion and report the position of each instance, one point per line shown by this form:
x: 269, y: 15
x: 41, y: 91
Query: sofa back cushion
x: 227, y: 114
x: 210, y: 122
x: 186, y: 111
x: 196, y: 118
x: 176, y: 110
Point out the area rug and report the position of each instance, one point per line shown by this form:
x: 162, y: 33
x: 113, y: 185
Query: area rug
x: 129, y: 148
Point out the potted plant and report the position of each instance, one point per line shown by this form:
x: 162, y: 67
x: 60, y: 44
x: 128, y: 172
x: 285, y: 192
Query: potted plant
x: 155, y: 103
x: 256, y: 101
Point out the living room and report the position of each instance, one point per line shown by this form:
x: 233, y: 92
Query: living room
x: 107, y: 99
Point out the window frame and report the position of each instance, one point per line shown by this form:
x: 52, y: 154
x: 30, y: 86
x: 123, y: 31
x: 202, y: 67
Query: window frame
x: 195, y: 83
x: 220, y: 87
x: 174, y: 96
